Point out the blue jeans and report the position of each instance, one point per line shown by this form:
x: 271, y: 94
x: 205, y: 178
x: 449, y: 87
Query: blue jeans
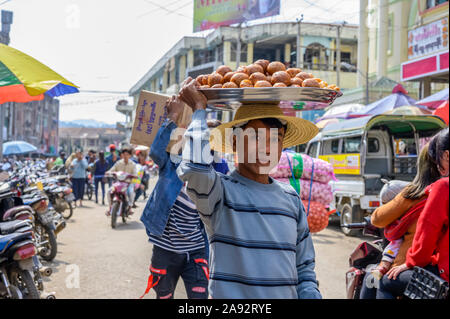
x: 139, y: 192
x: 367, y: 292
x: 391, y: 289
x: 98, y: 180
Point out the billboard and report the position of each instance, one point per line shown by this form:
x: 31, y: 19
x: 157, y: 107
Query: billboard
x: 428, y: 39
x: 211, y: 14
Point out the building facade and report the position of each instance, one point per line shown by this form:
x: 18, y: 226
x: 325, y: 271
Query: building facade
x: 395, y: 36
x: 34, y: 122
x: 427, y: 60
x: 319, y: 45
x: 87, y: 138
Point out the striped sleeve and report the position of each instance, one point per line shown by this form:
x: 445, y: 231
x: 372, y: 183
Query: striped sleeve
x: 307, y: 283
x: 204, y: 185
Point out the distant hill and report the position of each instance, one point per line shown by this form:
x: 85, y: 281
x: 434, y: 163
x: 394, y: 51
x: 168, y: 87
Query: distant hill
x: 86, y: 123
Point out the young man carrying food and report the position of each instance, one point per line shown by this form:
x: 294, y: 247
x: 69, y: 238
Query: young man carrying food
x: 260, y: 245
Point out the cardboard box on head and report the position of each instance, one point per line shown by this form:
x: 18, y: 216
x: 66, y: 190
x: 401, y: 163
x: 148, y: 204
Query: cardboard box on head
x: 151, y: 112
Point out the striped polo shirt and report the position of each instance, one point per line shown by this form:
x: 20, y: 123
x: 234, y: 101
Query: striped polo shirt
x: 260, y: 244
x: 182, y: 232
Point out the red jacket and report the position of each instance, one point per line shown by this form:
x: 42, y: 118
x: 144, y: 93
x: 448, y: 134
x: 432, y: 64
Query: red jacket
x: 431, y: 241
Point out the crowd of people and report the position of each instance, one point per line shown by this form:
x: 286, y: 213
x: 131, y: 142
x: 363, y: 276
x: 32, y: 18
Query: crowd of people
x: 97, y: 166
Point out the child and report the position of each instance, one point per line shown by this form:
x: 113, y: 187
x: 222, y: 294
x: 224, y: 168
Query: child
x: 388, y: 192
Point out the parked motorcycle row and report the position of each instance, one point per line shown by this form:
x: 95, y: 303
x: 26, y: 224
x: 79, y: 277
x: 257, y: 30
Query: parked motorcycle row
x: 34, y: 206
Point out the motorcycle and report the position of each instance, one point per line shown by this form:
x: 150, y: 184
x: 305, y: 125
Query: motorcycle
x: 44, y: 225
x: 119, y: 199
x: 61, y: 199
x: 367, y: 255
x: 364, y: 259
x: 89, y: 186
x: 21, y: 219
x: 17, y: 268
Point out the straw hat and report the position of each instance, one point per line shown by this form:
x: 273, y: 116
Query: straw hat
x: 299, y: 131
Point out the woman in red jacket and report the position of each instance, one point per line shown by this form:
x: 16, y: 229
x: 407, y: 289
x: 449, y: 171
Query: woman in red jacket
x: 430, y: 248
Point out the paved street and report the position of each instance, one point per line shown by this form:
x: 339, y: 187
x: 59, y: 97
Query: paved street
x: 113, y: 263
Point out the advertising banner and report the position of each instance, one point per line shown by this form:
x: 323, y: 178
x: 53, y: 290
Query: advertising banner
x: 211, y: 14
x: 428, y: 39
x: 346, y: 164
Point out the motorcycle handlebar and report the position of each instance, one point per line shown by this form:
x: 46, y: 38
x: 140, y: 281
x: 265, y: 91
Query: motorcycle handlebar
x: 355, y: 225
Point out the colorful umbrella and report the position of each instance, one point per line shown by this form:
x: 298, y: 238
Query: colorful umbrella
x: 398, y: 98
x: 408, y: 110
x: 442, y: 111
x: 17, y: 147
x: 435, y: 100
x: 24, y: 79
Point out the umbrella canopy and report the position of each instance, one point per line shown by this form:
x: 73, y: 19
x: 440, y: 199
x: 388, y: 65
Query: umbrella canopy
x: 340, y: 112
x: 24, y: 79
x: 398, y: 98
x: 17, y: 147
x: 408, y: 110
x: 321, y: 124
x: 442, y: 111
x: 435, y: 100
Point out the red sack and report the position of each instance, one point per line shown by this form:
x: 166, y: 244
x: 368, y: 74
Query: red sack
x: 317, y: 217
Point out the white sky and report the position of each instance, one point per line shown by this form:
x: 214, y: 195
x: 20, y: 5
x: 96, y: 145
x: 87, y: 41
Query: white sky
x: 108, y: 45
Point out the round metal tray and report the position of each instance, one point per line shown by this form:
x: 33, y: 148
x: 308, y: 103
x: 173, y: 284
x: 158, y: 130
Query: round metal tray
x: 230, y: 99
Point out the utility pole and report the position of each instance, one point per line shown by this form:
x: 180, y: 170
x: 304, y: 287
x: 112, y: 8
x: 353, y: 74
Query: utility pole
x: 299, y: 50
x: 338, y: 55
x: 238, y: 47
x: 367, y: 81
x: 6, y: 21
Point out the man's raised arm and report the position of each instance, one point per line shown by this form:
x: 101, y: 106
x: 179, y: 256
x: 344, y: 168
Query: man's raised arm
x: 203, y: 183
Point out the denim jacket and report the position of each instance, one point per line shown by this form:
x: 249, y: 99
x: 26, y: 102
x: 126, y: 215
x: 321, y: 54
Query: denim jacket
x: 158, y: 207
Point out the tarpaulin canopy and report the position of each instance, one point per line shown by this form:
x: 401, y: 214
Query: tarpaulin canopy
x: 442, y: 111
x: 409, y: 110
x: 398, y: 98
x: 435, y: 100
x: 425, y: 125
x: 340, y: 112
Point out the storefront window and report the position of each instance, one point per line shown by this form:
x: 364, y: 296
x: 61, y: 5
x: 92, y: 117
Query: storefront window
x: 203, y: 57
x: 243, y: 52
x: 315, y: 57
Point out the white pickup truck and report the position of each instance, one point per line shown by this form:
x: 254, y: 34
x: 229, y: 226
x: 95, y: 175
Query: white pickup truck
x: 365, y: 150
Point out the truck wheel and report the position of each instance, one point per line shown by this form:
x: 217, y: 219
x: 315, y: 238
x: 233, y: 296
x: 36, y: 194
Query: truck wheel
x: 350, y: 214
